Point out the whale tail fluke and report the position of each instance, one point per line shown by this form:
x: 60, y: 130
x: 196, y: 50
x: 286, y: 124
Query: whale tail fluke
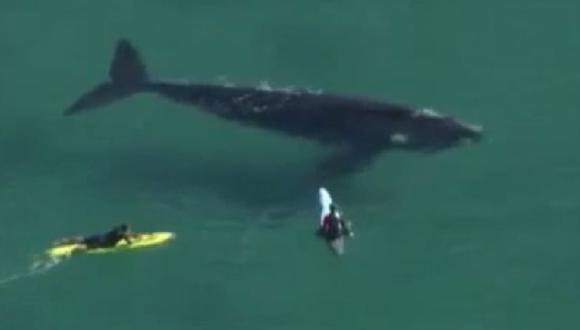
x: 127, y: 73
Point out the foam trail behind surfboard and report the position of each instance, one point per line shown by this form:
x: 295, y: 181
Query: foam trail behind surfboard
x: 325, y: 202
x: 38, y: 267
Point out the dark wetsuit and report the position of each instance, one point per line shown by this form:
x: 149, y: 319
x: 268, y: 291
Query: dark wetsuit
x: 106, y: 240
x: 332, y: 227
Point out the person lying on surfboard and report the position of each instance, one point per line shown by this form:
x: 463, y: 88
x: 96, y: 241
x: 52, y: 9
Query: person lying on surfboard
x: 104, y: 240
x: 333, y: 226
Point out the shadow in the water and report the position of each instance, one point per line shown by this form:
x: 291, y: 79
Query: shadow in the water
x: 276, y: 189
x: 20, y: 142
x: 255, y: 185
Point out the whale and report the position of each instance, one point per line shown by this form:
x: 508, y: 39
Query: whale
x: 358, y: 128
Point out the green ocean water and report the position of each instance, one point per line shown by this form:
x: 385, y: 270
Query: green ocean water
x: 478, y: 237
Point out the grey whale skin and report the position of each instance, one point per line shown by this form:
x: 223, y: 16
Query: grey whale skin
x: 362, y: 128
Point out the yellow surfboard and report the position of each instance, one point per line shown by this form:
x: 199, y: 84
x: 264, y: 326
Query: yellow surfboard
x: 138, y: 240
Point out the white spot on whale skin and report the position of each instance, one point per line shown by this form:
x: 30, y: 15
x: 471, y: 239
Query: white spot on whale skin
x: 264, y: 86
x: 225, y: 82
x: 427, y: 112
x: 242, y: 98
x: 258, y: 109
x: 399, y: 138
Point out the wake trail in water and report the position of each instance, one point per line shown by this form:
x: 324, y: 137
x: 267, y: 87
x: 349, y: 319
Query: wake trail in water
x: 38, y: 267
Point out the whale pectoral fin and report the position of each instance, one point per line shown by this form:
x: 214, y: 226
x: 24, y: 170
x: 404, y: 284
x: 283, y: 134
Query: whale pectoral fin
x: 347, y: 161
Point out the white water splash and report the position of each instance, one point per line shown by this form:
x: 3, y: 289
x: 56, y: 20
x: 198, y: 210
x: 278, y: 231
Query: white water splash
x: 38, y: 267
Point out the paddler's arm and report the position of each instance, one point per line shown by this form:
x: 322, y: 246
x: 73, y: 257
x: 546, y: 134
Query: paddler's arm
x: 127, y: 238
x: 346, y: 228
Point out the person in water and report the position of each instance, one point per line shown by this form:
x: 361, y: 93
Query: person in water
x: 105, y: 240
x: 333, y: 226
